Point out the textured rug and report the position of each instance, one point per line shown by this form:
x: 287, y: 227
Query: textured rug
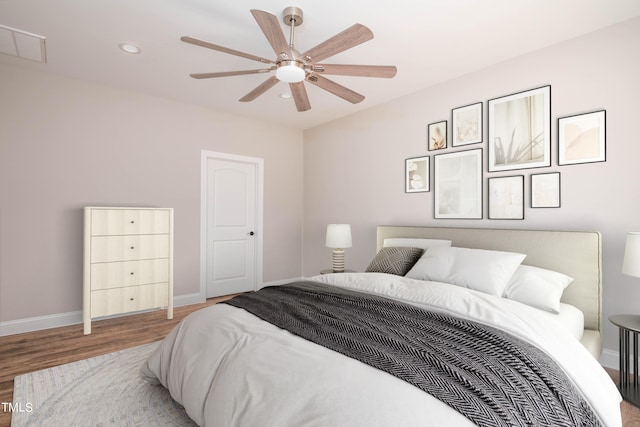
x: 102, y: 391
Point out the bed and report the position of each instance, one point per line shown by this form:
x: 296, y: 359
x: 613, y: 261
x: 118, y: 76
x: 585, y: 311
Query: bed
x: 392, y: 346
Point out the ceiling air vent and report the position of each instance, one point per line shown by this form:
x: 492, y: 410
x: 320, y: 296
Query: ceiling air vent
x: 22, y: 44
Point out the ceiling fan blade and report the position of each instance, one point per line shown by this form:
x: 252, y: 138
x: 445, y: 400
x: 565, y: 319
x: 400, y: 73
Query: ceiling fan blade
x: 299, y: 94
x: 262, y: 88
x: 229, y: 73
x: 384, y: 71
x: 352, y: 36
x: 223, y: 49
x: 270, y: 26
x: 335, y: 88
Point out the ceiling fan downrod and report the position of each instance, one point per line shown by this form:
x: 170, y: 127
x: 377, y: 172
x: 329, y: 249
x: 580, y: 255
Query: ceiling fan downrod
x: 292, y: 16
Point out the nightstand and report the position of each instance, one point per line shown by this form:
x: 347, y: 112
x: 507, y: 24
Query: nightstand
x: 329, y: 271
x: 629, y: 324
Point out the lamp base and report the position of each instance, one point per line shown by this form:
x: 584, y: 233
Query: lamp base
x: 337, y: 260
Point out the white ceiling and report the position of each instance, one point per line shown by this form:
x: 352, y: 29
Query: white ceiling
x: 430, y: 41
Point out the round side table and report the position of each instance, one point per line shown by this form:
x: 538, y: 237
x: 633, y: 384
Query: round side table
x: 629, y: 325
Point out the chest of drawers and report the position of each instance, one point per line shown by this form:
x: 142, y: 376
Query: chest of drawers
x: 128, y: 261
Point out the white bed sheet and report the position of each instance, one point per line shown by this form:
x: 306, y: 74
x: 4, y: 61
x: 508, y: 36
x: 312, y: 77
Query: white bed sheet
x: 227, y: 367
x: 571, y: 318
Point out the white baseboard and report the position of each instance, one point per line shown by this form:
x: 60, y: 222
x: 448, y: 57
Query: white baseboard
x: 610, y: 359
x: 39, y: 323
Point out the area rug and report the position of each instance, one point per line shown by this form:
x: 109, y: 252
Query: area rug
x: 102, y: 391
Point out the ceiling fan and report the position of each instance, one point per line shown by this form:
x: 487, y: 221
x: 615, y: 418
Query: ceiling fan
x: 293, y: 67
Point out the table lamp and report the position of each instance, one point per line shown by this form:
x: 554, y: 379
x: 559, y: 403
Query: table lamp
x: 338, y: 238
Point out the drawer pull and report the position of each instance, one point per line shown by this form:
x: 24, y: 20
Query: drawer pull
x: 131, y: 247
x: 132, y: 222
x: 131, y: 299
x: 131, y: 273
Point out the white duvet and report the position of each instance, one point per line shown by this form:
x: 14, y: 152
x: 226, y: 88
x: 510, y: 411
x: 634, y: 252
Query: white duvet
x: 230, y: 368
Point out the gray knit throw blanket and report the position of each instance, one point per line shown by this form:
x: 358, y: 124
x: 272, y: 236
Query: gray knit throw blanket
x: 489, y: 376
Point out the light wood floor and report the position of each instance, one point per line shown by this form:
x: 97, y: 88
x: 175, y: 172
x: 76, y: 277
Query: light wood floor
x: 23, y: 353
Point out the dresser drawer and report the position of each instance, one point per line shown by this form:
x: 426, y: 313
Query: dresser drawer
x: 129, y: 248
x: 134, y: 298
x: 112, y: 222
x: 129, y: 273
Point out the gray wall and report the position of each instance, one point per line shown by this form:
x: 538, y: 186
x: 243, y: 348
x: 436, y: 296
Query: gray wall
x: 354, y: 167
x: 66, y: 143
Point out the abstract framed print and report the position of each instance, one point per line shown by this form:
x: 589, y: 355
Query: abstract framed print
x: 466, y: 125
x: 416, y: 179
x: 458, y: 185
x: 506, y: 197
x: 520, y: 130
x: 582, y: 138
x: 545, y: 190
x: 437, y: 135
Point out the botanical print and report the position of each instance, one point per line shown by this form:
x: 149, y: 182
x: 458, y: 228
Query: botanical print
x: 417, y: 175
x: 545, y: 190
x: 519, y: 130
x: 437, y: 135
x: 581, y: 138
x: 458, y: 185
x: 466, y: 125
x: 506, y: 197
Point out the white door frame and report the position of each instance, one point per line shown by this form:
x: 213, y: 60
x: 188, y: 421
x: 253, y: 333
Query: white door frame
x: 259, y: 163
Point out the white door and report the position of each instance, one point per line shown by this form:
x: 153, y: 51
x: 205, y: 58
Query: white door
x: 231, y: 226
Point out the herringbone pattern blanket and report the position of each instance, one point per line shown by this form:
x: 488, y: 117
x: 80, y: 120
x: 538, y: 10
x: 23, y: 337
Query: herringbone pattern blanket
x: 491, y: 377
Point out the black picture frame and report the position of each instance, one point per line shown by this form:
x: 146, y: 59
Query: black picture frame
x: 582, y: 138
x: 416, y: 174
x: 520, y: 130
x: 458, y: 185
x: 466, y: 125
x: 506, y: 197
x: 437, y: 135
x: 546, y: 190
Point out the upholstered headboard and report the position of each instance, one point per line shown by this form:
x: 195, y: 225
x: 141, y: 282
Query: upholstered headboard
x: 574, y: 253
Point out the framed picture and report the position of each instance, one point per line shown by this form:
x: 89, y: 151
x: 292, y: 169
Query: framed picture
x: 520, y: 130
x: 545, y: 190
x: 437, y: 135
x: 466, y: 125
x: 581, y: 138
x: 416, y: 171
x: 506, y: 197
x: 458, y: 185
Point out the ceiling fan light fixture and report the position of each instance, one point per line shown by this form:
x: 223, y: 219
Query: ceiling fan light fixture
x: 290, y: 72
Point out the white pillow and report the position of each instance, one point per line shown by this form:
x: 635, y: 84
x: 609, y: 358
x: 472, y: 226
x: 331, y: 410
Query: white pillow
x: 537, y: 287
x: 415, y: 243
x: 483, y: 270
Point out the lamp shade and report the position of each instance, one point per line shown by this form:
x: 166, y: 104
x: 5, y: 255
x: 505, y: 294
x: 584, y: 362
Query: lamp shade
x: 338, y: 236
x: 631, y: 263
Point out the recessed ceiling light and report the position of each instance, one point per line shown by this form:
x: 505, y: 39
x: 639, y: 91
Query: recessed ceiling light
x: 130, y: 48
x: 285, y: 95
